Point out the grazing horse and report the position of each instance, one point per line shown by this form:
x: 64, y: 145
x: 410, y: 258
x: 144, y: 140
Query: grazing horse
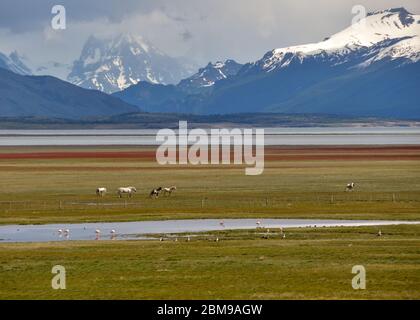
x: 128, y: 190
x: 100, y: 192
x: 350, y: 186
x: 155, y: 192
x: 169, y: 190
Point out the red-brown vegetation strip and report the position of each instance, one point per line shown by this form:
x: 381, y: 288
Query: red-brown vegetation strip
x: 271, y: 154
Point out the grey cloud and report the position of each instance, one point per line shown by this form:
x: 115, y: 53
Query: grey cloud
x: 186, y: 35
x: 200, y: 29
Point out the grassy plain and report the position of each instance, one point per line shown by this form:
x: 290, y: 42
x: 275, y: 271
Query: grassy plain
x: 42, y: 185
x: 308, y: 264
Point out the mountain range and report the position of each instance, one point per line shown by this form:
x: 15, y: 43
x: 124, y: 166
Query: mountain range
x: 369, y: 69
x: 46, y: 96
x: 166, y: 98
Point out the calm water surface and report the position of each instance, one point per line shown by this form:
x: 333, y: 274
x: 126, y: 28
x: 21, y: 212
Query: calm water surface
x: 140, y: 230
x: 273, y: 136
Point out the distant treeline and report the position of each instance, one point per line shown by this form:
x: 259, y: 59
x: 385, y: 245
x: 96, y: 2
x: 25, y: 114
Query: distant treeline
x: 141, y: 120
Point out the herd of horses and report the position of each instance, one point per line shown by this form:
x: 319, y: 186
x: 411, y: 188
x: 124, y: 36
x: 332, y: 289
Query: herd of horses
x: 101, y: 192
x: 129, y: 191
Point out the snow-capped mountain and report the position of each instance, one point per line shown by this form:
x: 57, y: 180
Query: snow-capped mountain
x: 372, y: 68
x: 14, y: 62
x: 113, y: 64
x: 392, y: 33
x: 209, y: 75
x: 150, y: 96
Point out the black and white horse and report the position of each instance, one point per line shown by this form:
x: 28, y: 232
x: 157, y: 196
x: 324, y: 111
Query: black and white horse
x: 155, y: 192
x: 127, y: 190
x: 168, y: 190
x: 350, y: 186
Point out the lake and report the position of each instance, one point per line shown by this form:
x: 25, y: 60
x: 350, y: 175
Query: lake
x: 140, y: 229
x: 273, y: 136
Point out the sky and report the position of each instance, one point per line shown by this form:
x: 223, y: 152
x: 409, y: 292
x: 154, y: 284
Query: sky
x: 202, y: 30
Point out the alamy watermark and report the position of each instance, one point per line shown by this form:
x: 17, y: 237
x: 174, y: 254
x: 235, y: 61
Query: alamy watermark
x: 58, y: 22
x: 359, y: 16
x: 59, y: 280
x: 359, y: 280
x: 199, y: 146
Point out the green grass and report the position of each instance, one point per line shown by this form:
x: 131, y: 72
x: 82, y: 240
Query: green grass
x: 308, y: 264
x: 44, y: 191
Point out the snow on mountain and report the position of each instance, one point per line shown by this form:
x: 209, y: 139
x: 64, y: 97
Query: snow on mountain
x: 369, y: 69
x: 397, y: 27
x: 209, y: 75
x: 113, y: 64
x: 14, y: 62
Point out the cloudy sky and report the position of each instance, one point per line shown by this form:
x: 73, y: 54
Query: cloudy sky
x: 204, y: 30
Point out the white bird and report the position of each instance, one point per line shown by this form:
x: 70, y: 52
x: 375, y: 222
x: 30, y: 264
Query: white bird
x: 217, y: 239
x: 284, y: 236
x: 258, y: 223
x: 379, y: 233
x: 97, y: 231
x: 112, y: 231
x: 60, y: 231
x: 66, y: 233
x: 188, y: 239
x: 161, y: 239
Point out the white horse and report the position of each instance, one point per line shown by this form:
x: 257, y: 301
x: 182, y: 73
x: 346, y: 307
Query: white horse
x: 168, y: 190
x: 350, y: 186
x: 128, y: 190
x: 100, y: 192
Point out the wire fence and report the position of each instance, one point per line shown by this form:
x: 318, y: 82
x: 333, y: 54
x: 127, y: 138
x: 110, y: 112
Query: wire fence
x: 204, y: 202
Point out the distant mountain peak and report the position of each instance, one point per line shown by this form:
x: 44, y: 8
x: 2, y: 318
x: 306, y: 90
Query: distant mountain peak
x: 396, y: 27
x: 15, y: 63
x: 112, y: 64
x: 399, y: 10
x: 210, y: 74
